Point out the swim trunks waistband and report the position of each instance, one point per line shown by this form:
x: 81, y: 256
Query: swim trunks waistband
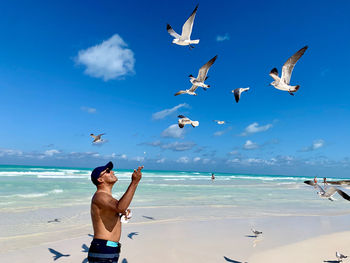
x: 102, y: 250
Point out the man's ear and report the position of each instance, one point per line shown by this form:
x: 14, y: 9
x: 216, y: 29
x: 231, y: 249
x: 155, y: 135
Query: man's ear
x: 100, y: 180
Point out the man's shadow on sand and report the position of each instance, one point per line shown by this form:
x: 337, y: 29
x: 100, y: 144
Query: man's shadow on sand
x: 232, y: 261
x: 56, y: 254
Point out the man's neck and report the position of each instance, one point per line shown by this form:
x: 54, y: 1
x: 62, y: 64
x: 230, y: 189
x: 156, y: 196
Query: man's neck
x: 105, y: 188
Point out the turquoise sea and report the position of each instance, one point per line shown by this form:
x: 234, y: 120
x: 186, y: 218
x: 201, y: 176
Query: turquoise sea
x: 31, y: 197
x: 28, y: 188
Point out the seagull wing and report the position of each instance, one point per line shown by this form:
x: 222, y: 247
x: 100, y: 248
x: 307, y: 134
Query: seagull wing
x: 202, y: 74
x: 99, y: 136
x: 181, y: 116
x: 187, y: 27
x: 172, y: 32
x: 289, y: 65
x: 309, y: 182
x: 180, y: 92
x: 331, y: 191
x: 343, y: 194
x: 237, y: 94
x: 193, y: 88
x: 93, y: 136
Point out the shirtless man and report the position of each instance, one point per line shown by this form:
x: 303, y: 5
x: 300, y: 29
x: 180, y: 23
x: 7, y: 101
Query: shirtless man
x: 106, y: 212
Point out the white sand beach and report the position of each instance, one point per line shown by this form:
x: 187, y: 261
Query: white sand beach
x: 157, y: 238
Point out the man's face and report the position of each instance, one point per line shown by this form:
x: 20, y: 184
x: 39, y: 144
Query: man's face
x: 108, y: 176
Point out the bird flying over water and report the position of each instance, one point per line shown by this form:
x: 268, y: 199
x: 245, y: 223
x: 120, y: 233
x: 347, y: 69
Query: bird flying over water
x: 185, y: 38
x: 199, y: 81
x: 184, y: 120
x: 97, y: 138
x: 329, y: 192
x: 283, y: 83
x: 237, y: 92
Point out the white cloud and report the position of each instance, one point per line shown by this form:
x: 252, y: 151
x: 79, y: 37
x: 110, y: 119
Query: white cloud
x: 222, y: 38
x: 88, y: 109
x: 162, y: 114
x: 109, y: 60
x: 183, y: 159
x: 249, y: 145
x: 123, y: 156
x: 161, y: 160
x: 51, y: 152
x: 173, y: 131
x: 138, y: 158
x: 10, y: 152
x: 315, y: 145
x: 196, y: 159
x: 254, y: 128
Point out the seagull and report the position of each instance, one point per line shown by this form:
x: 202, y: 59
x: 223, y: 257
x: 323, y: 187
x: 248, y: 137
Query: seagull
x: 339, y: 256
x: 256, y: 232
x: 57, y: 254
x: 199, y: 81
x: 287, y: 69
x: 97, y: 138
x: 184, y: 120
x: 237, y: 92
x: 220, y: 122
x: 329, y: 192
x: 185, y: 38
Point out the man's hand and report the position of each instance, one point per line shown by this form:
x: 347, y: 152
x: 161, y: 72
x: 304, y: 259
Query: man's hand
x: 137, y: 174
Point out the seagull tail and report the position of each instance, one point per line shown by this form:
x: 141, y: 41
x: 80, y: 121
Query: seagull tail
x: 296, y: 88
x: 194, y: 123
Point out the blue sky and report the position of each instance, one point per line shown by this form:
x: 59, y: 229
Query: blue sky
x: 68, y: 69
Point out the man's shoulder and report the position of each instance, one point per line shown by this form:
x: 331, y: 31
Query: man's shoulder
x: 99, y: 197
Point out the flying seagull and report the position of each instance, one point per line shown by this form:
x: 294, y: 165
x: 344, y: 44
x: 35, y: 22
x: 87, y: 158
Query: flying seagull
x: 237, y: 92
x: 185, y: 38
x: 184, y: 120
x: 220, y: 122
x: 97, y: 138
x: 339, y: 256
x: 256, y: 232
x: 57, y: 254
x: 199, y: 81
x: 329, y: 192
x: 287, y: 69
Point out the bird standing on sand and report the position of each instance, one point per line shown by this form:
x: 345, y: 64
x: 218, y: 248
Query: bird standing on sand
x: 184, y: 120
x: 256, y: 232
x: 97, y: 139
x: 199, y: 81
x: 329, y: 192
x: 185, y: 38
x: 287, y: 69
x: 339, y: 256
x: 237, y: 92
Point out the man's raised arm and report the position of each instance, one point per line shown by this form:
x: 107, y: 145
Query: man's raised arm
x: 126, y: 199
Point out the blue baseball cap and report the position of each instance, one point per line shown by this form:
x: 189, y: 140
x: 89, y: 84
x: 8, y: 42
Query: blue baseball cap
x: 98, y: 170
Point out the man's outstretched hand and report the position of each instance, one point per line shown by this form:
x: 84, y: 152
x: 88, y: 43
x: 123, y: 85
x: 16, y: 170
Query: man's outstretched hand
x: 137, y: 174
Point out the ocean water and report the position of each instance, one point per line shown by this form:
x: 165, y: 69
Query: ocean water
x: 25, y: 188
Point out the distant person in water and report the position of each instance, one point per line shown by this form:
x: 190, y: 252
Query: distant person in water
x: 212, y: 176
x: 315, y: 180
x: 106, y: 212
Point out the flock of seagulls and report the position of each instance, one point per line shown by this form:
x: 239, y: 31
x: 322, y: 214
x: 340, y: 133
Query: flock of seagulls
x: 281, y: 83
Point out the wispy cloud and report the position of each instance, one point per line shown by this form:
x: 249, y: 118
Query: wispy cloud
x: 221, y: 38
x: 196, y: 159
x: 164, y: 113
x: 51, y: 152
x: 162, y: 160
x: 174, y: 146
x: 183, y: 159
x: 222, y: 132
x: 249, y: 145
x: 254, y: 128
x: 317, y: 144
x: 88, y: 109
x: 173, y: 131
x: 109, y: 60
